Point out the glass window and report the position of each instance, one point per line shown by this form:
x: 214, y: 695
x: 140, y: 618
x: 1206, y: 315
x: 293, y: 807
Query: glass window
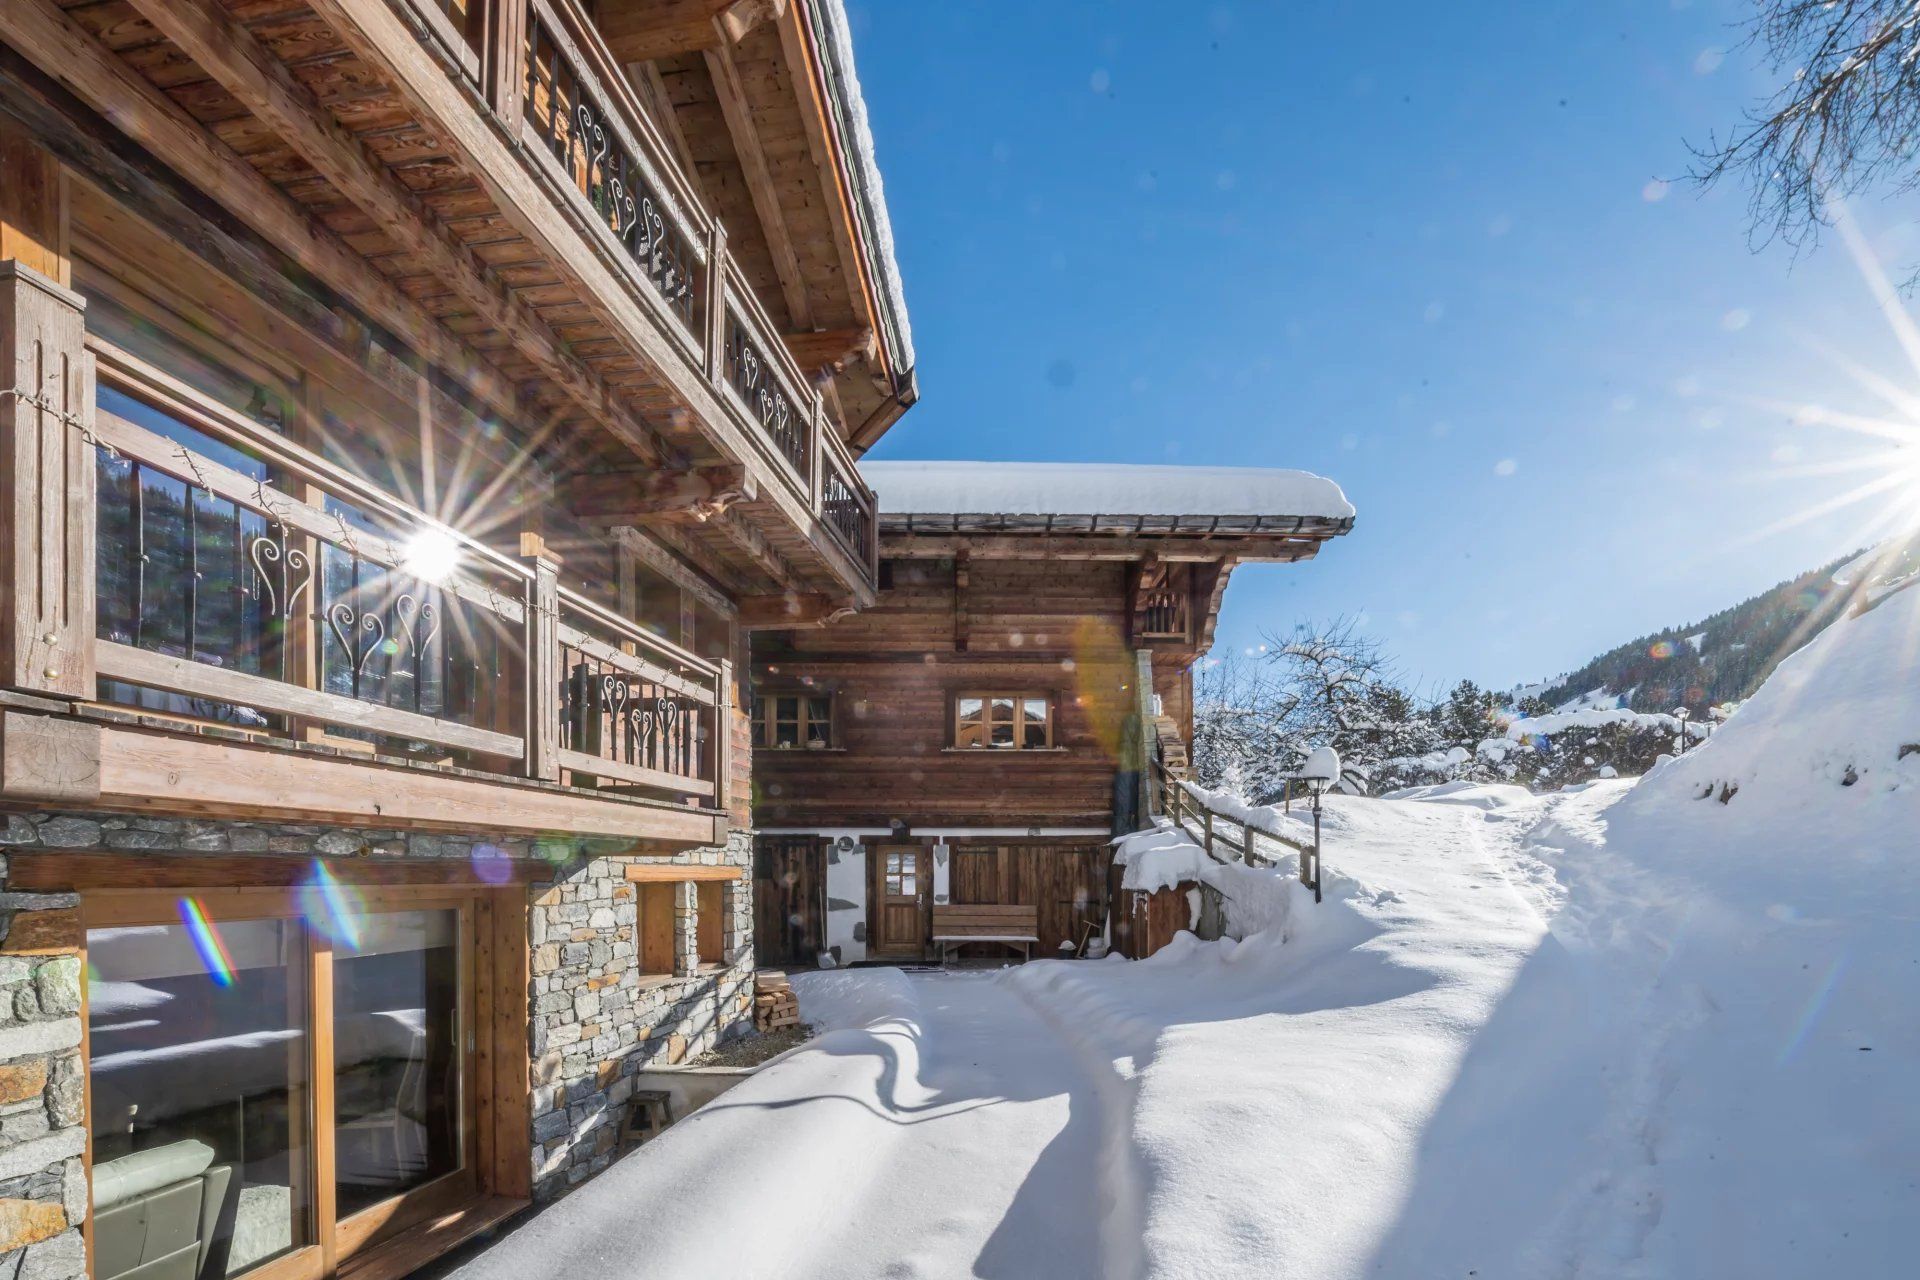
x: 794, y: 720
x: 1002, y: 721
x: 902, y: 875
x: 396, y: 1054
x: 1033, y: 722
x: 198, y: 1036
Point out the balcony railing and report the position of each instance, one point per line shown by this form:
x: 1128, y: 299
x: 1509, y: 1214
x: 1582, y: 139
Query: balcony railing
x: 244, y: 581
x: 584, y: 134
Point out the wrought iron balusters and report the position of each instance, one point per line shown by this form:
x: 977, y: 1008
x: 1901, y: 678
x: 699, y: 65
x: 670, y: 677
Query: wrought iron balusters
x: 579, y: 132
x: 752, y: 378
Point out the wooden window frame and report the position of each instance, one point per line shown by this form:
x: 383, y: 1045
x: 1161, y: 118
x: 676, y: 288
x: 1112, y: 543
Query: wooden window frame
x: 494, y: 1178
x: 986, y: 699
x: 766, y: 719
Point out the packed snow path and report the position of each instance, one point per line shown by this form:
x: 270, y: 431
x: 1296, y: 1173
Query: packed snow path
x: 1072, y: 1119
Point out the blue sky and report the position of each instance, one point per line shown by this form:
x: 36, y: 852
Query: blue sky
x: 1423, y: 249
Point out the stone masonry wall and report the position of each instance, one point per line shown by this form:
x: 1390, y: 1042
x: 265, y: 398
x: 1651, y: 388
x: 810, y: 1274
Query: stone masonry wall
x: 43, y: 1185
x: 597, y: 1019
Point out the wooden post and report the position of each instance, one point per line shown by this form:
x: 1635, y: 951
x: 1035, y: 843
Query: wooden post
x: 506, y: 71
x: 716, y: 317
x: 1207, y: 821
x: 722, y: 754
x: 46, y: 486
x: 540, y: 660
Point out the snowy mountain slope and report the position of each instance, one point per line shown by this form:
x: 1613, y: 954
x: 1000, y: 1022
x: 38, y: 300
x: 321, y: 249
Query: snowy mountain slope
x: 1725, y: 656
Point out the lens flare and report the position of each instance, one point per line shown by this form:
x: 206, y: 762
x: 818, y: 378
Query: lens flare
x: 330, y: 908
x: 491, y: 864
x: 1661, y: 649
x: 1815, y: 1006
x: 206, y: 940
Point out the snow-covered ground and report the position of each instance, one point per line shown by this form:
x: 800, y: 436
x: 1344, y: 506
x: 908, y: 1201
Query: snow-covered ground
x: 1669, y: 1029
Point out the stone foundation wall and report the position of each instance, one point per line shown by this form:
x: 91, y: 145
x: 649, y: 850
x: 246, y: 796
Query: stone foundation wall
x: 43, y: 1185
x: 597, y: 1019
x: 593, y: 1018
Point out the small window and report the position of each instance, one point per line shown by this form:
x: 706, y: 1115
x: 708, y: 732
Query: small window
x: 1003, y: 721
x: 793, y: 721
x: 902, y: 879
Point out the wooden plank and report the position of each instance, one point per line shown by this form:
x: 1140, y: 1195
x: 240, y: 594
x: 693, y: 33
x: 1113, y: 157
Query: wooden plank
x: 677, y: 873
x: 41, y: 872
x: 709, y: 896
x: 540, y: 647
x: 65, y: 51
x: 638, y: 775
x: 654, y: 912
x: 46, y: 487
x: 140, y: 770
x: 223, y: 684
x: 620, y: 660
x: 250, y: 71
x: 510, y: 1081
x: 1056, y: 548
x: 408, y: 1252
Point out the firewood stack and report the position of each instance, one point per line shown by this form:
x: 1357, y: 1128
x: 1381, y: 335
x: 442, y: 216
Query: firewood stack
x: 774, y: 1003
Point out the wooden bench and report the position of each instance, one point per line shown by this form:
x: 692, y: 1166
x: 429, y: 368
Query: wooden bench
x: 986, y: 922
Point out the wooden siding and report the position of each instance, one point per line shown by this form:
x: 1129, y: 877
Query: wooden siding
x: 893, y: 671
x: 1065, y: 882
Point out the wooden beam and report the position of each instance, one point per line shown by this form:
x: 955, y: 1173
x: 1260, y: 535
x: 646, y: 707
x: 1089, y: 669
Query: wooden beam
x: 1093, y: 547
x: 247, y: 69
x: 732, y: 96
x: 65, y: 51
x: 153, y: 670
x: 180, y: 774
x: 796, y: 45
x: 754, y: 545
x: 677, y: 873
x: 651, y: 88
x: 639, y: 30
x: 48, y: 759
x: 830, y: 350
x: 33, y: 206
x: 39, y: 872
x: 669, y: 566
x: 628, y: 497
x: 790, y: 611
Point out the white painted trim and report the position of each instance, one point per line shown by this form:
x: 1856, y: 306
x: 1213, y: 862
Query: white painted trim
x: 964, y: 832
x: 914, y: 833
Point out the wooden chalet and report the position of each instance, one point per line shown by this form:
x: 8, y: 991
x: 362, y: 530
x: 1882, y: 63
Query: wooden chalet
x: 408, y: 409
x: 976, y: 738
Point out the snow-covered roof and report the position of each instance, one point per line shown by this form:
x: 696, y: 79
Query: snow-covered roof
x: 1108, y: 488
x: 831, y: 16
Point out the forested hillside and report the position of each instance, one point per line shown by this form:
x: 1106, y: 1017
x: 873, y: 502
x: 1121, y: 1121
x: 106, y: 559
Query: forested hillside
x: 1724, y: 657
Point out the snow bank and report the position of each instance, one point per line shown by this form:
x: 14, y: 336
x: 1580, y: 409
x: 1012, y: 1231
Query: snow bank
x: 1255, y: 900
x: 1075, y: 488
x: 1478, y: 795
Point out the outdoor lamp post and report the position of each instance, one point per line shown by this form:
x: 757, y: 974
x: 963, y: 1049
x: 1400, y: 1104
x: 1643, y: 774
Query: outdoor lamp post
x: 1321, y: 771
x: 1680, y: 741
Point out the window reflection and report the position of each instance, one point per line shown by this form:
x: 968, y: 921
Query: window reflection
x: 199, y: 1098
x: 396, y: 1036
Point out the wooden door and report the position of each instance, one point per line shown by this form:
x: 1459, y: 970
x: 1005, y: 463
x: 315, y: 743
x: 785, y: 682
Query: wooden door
x: 789, y: 899
x: 902, y: 894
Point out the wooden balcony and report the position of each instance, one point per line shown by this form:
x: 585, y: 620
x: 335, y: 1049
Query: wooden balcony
x: 208, y: 618
x: 479, y: 179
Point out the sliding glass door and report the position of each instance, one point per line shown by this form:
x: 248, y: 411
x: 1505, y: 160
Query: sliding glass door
x: 280, y: 1078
